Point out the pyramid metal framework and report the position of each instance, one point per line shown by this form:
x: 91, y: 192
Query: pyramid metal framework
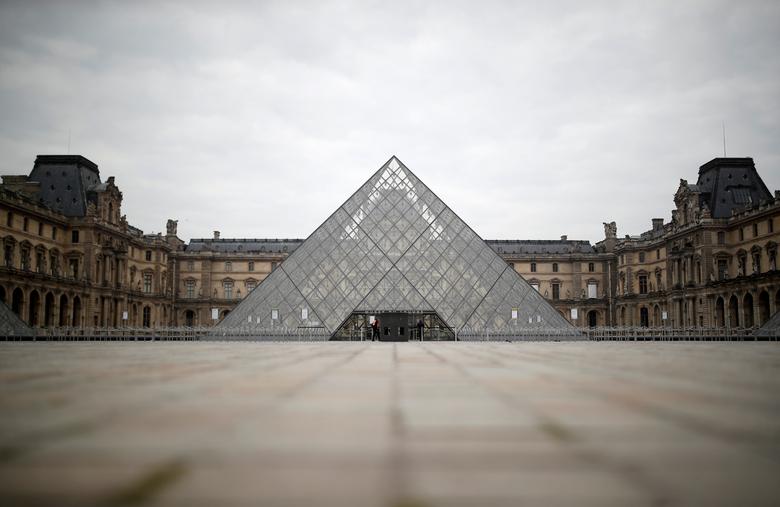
x: 394, y: 246
x: 11, y: 325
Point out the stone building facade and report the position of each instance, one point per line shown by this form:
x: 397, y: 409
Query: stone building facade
x: 72, y: 259
x: 714, y: 264
x: 69, y: 256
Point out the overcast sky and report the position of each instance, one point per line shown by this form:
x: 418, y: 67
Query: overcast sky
x: 529, y: 119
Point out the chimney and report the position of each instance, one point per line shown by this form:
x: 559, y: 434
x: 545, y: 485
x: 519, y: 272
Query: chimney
x: 658, y: 224
x: 564, y: 237
x: 216, y: 234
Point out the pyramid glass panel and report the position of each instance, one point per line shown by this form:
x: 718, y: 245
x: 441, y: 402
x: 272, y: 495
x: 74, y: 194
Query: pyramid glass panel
x: 394, y: 251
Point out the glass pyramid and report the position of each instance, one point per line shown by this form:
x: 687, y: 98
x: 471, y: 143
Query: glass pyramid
x: 394, y: 246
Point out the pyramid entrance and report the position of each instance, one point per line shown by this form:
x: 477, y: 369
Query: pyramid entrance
x: 394, y: 248
x: 395, y: 326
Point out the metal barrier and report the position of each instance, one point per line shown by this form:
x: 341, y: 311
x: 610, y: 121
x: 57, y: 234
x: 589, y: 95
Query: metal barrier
x: 321, y: 334
x: 672, y: 334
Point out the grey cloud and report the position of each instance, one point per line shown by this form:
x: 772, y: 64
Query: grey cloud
x: 259, y: 119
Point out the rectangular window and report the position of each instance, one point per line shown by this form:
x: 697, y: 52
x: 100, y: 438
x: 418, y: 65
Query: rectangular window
x: 250, y: 285
x: 770, y: 226
x: 228, y: 266
x: 593, y: 290
x: 721, y: 238
x: 190, y: 289
x: 251, y: 266
x: 40, y: 228
x: 643, y: 284
x: 148, y: 283
x: 723, y: 269
x: 755, y: 230
x: 591, y: 267
x: 53, y: 232
x: 25, y: 224
x: 228, y: 286
x: 658, y: 254
x: 641, y: 257
x: 741, y: 234
x: 74, y: 236
x: 555, y: 267
x: 25, y: 261
x: 190, y: 266
x: 148, y: 255
x: 533, y: 269
x: 9, y: 219
x: 556, y: 291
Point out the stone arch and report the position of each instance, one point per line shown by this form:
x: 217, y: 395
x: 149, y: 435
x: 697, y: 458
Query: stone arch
x: 747, y: 309
x: 720, y: 312
x: 17, y: 302
x: 733, y: 311
x: 33, y: 313
x: 76, y: 315
x: 593, y: 318
x: 189, y: 318
x: 644, y: 317
x: 147, y: 316
x: 763, y: 307
x: 48, y: 310
x: 63, y: 316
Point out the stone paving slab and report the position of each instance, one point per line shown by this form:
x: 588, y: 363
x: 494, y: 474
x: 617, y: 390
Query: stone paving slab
x: 391, y: 425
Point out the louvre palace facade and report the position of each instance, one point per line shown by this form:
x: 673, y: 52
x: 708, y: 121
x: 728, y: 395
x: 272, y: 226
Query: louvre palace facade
x: 71, y: 258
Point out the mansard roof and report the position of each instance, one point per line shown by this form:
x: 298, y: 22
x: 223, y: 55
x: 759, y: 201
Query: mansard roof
x: 730, y: 184
x: 65, y: 181
x: 258, y: 245
x: 540, y: 246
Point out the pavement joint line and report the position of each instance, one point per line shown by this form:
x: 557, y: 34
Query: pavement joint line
x: 633, y: 474
x: 25, y: 444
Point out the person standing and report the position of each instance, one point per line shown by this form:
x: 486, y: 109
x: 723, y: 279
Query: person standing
x: 376, y: 328
x: 420, y: 327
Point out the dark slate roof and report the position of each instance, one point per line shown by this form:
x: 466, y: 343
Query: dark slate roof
x: 729, y: 184
x: 65, y: 180
x: 540, y: 246
x: 243, y: 245
x: 503, y: 246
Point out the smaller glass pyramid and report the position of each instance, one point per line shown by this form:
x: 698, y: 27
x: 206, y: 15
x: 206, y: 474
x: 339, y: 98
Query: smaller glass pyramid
x: 394, y: 246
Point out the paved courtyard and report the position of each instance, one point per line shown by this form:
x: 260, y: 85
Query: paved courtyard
x: 410, y: 424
